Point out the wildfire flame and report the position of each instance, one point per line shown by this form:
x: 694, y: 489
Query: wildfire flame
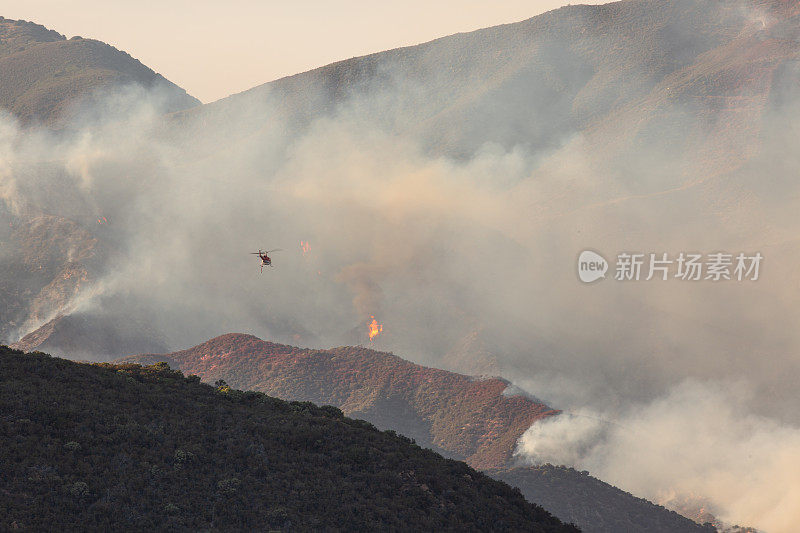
x: 375, y: 329
x: 102, y: 220
x: 304, y: 246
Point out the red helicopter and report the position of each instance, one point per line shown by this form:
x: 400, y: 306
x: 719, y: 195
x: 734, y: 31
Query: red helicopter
x: 265, y: 259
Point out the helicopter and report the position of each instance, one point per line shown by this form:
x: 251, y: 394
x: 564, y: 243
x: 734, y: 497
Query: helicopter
x: 265, y: 259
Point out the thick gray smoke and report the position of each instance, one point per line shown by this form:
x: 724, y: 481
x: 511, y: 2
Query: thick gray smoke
x: 446, y: 248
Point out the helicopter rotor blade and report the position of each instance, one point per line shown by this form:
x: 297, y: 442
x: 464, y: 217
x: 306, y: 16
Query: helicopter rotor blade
x: 275, y: 250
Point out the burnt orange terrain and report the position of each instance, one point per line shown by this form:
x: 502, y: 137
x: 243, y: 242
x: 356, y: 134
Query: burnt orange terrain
x: 460, y: 416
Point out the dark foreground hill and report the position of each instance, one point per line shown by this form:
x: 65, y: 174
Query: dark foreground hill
x: 110, y: 447
x: 457, y: 415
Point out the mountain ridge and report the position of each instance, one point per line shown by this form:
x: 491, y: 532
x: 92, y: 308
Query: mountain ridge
x: 379, y: 393
x: 45, y: 74
x: 452, y: 413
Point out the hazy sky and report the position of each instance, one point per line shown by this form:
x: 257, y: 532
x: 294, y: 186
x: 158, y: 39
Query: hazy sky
x: 213, y: 49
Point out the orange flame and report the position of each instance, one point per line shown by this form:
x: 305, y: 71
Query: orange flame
x: 304, y: 246
x: 102, y: 220
x: 375, y: 329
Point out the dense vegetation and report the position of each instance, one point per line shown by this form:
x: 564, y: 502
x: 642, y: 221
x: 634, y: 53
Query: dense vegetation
x: 131, y: 447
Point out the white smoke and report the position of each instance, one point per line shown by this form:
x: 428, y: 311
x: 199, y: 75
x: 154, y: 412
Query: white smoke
x: 699, y: 439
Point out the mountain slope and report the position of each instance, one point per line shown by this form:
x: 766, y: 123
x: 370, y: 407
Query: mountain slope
x: 448, y: 412
x: 126, y: 447
x: 625, y: 67
x: 45, y: 256
x: 87, y: 338
x: 591, y: 503
x: 44, y: 73
x: 45, y: 261
x: 462, y: 417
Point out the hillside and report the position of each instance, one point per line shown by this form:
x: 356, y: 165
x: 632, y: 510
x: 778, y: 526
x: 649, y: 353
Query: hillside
x: 44, y: 76
x: 459, y: 416
x: 45, y: 260
x: 689, y: 71
x: 47, y: 257
x: 87, y: 338
x: 567, y: 493
x: 44, y: 73
x: 131, y: 447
